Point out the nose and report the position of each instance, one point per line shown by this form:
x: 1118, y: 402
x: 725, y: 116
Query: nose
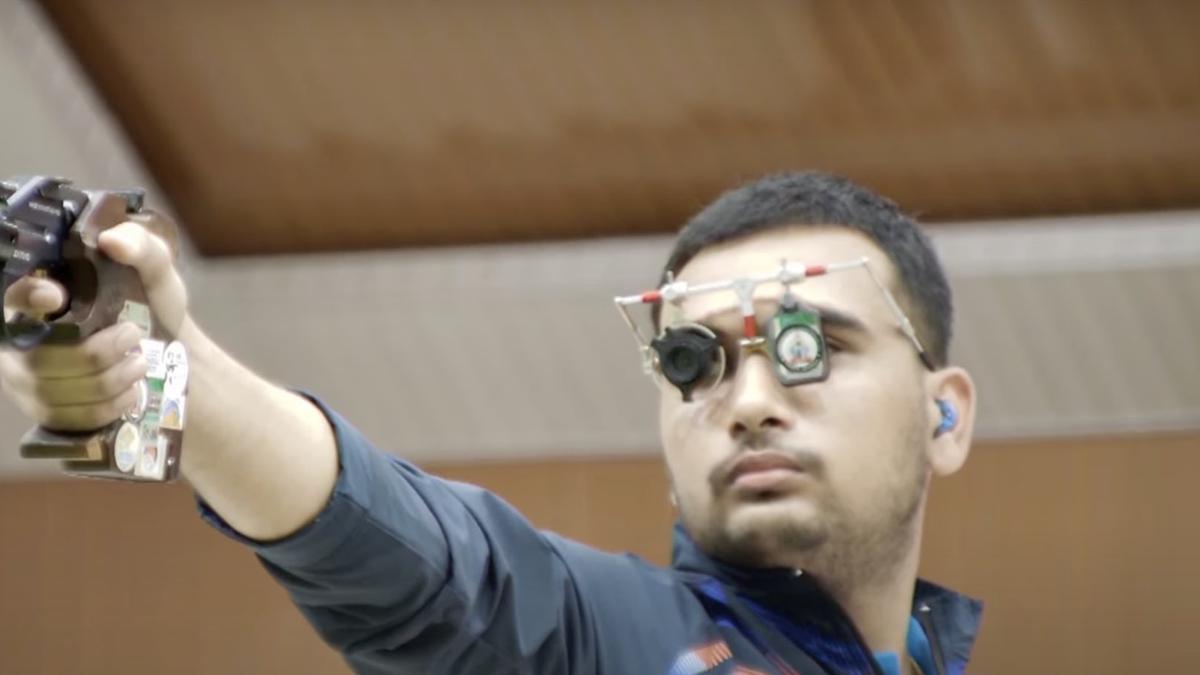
x: 758, y: 402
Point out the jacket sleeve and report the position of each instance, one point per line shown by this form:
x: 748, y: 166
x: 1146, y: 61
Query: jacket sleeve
x: 406, y: 572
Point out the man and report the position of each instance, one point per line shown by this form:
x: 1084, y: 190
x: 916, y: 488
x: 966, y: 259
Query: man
x: 800, y: 491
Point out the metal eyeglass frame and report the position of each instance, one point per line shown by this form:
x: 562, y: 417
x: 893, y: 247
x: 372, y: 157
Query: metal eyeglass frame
x: 786, y: 274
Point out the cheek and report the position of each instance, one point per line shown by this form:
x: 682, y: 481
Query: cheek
x: 867, y: 423
x: 680, y: 424
x: 688, y: 447
x: 869, y: 393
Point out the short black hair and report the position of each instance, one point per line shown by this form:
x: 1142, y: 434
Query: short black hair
x: 822, y: 199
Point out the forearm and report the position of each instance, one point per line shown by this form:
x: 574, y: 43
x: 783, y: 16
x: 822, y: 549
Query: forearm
x: 403, y: 572
x: 262, y: 457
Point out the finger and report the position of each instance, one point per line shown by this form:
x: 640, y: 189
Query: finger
x: 84, y: 417
x: 83, y: 390
x: 34, y: 295
x: 131, y: 244
x: 94, y: 355
x: 12, y: 370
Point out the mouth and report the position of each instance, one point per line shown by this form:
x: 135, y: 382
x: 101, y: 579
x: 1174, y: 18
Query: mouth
x: 764, y: 472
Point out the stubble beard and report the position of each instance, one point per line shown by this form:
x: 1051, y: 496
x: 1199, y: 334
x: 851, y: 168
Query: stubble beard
x: 841, y: 549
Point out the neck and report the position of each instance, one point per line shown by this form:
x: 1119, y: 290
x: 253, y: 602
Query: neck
x: 881, y: 609
x: 878, y: 599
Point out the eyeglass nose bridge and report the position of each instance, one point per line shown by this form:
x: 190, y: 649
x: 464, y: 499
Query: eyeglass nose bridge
x: 756, y: 344
x: 759, y: 345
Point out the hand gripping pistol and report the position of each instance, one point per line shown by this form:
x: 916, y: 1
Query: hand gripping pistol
x: 49, y: 228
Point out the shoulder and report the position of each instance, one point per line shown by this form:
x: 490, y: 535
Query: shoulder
x: 627, y: 591
x: 641, y: 615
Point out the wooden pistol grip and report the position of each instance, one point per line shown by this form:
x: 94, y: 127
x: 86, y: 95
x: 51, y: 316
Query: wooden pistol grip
x: 99, y: 287
x: 42, y: 443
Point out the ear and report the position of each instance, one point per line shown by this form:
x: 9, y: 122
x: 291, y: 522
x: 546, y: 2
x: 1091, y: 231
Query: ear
x: 948, y: 451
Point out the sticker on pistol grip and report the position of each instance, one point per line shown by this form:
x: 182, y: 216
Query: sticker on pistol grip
x: 153, y: 351
x: 155, y: 395
x: 173, y: 411
x: 127, y: 447
x: 152, y: 463
x: 136, y: 313
x: 138, y: 410
x: 175, y: 380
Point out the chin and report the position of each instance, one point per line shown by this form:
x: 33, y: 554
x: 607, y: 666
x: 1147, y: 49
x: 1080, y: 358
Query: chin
x: 766, y: 530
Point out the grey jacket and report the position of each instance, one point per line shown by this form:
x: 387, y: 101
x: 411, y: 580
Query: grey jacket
x: 403, y: 572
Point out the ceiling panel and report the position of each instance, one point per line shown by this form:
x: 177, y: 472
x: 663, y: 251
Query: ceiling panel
x: 317, y: 125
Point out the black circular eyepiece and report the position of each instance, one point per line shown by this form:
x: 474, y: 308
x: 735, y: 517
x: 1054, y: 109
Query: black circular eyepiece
x: 687, y: 357
x: 683, y: 364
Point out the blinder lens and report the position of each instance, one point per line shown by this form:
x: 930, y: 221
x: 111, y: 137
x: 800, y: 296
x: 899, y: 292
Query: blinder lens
x: 690, y: 357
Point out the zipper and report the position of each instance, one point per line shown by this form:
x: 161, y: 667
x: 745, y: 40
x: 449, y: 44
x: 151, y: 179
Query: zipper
x: 925, y: 618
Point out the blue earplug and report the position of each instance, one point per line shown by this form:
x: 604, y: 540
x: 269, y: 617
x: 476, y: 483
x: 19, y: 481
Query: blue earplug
x: 949, y: 416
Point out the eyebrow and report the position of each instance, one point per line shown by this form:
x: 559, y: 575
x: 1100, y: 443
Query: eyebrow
x: 831, y: 317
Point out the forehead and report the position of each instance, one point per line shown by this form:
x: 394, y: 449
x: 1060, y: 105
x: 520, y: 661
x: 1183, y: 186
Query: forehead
x: 851, y: 291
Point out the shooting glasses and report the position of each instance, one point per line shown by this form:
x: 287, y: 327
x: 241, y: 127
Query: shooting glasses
x: 693, y: 359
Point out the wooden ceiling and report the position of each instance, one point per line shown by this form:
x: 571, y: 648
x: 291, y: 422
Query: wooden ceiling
x: 312, y: 125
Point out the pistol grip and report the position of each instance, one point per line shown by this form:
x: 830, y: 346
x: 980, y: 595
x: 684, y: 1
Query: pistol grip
x: 144, y: 444
x: 42, y: 443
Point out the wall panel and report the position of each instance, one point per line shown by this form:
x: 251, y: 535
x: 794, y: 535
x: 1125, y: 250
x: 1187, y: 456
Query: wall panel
x: 1084, y: 551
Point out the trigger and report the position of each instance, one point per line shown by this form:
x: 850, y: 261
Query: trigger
x: 31, y: 333
x: 39, y: 273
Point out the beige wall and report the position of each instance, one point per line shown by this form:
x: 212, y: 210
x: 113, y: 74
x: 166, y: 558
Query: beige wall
x: 1085, y: 552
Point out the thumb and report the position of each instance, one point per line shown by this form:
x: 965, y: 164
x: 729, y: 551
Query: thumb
x: 133, y: 245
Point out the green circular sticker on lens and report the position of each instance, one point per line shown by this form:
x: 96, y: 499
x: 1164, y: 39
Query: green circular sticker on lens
x: 799, y: 349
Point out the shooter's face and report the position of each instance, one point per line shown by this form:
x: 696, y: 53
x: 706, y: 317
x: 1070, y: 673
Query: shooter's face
x: 765, y: 473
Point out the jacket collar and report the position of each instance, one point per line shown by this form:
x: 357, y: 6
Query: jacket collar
x: 953, y: 617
